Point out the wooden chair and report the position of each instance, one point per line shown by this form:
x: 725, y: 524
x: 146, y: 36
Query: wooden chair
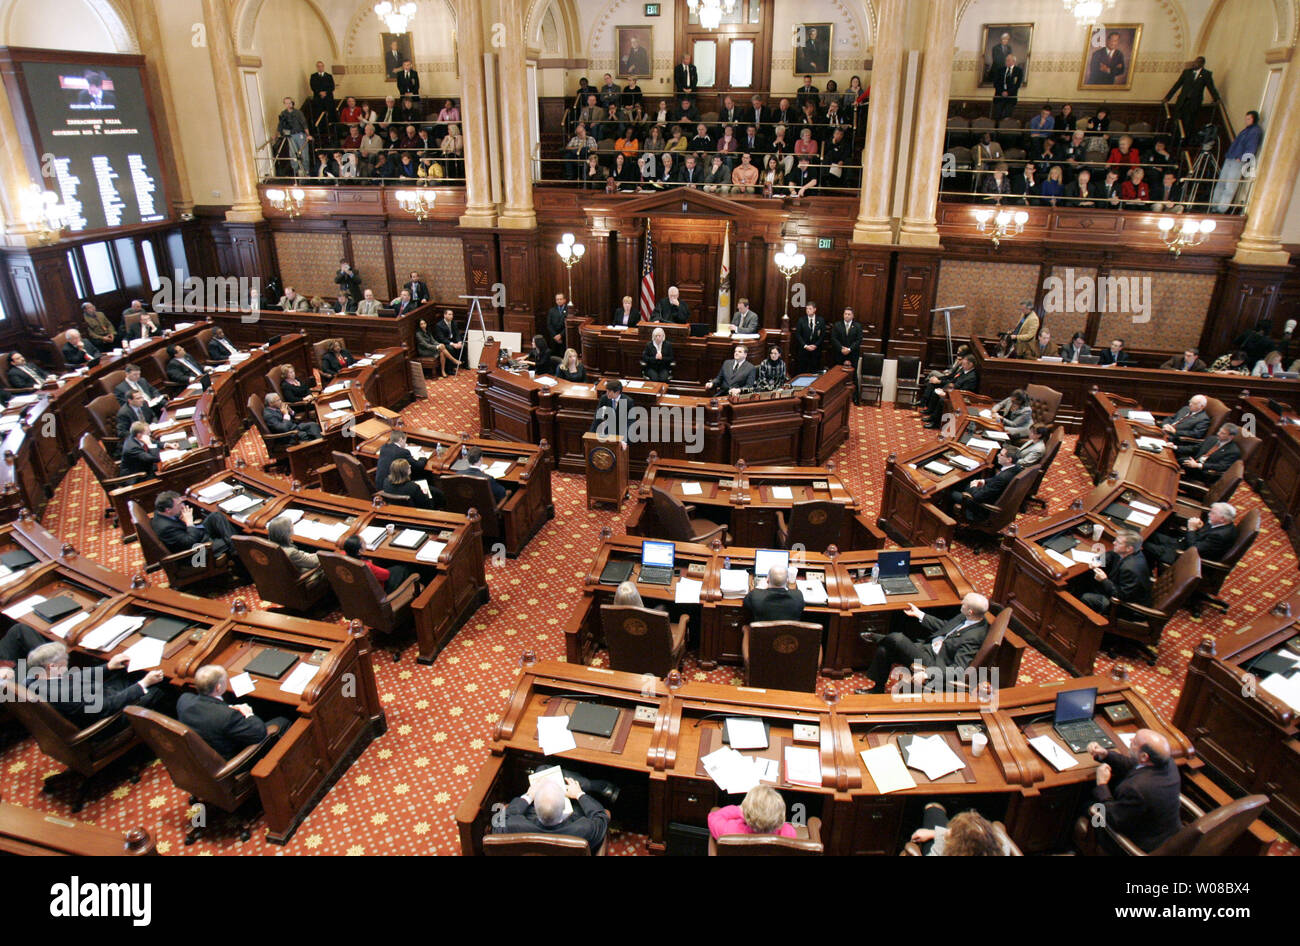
x: 1214, y: 574
x: 1204, y: 834
x: 362, y: 597
x: 539, y: 844
x: 642, y: 640
x: 987, y: 657
x: 86, y: 752
x: 809, y: 842
x: 273, y: 379
x: 357, y: 483
x: 105, y: 471
x: 396, y: 499
x: 277, y: 445
x: 463, y: 492
x: 132, y: 323
x: 782, y: 655
x: 814, y: 524
x: 170, y: 387
x: 675, y: 520
x: 184, y: 568
x: 1044, y: 402
x: 103, y: 418
x: 279, y: 580
x: 1220, y: 491
x: 56, y: 350
x: 1144, y: 625
x: 318, y: 353
x: 999, y: 831
x: 1002, y: 513
x: 870, y: 368
x: 196, y: 768
x: 909, y: 380
x: 1197, y: 490
x: 1054, y: 441
x: 109, y: 380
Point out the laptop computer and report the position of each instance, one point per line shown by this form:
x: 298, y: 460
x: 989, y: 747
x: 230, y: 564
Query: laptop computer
x: 894, y: 568
x: 658, y: 562
x: 767, y: 559
x: 594, y: 719
x: 1073, y: 720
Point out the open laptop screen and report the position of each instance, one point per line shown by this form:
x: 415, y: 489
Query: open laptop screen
x: 658, y: 553
x: 1073, y: 705
x: 767, y: 559
x: 894, y: 564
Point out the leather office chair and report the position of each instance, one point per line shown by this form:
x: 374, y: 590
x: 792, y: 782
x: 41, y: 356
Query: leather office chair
x: 184, y: 568
x: 277, y: 445
x: 396, y: 499
x: 362, y: 597
x: 1002, y: 513
x: 1220, y: 491
x: 870, y: 368
x: 196, y: 768
x: 318, y: 352
x: 675, y: 520
x: 809, y: 842
x: 86, y: 752
x: 642, y: 640
x: 132, y: 323
x: 782, y: 655
x: 273, y: 378
x: 56, y: 351
x: 103, y: 418
x: 814, y: 524
x: 1198, y: 490
x: 999, y: 831
x: 909, y: 380
x: 109, y: 380
x: 357, y: 483
x: 1054, y: 441
x: 987, y: 657
x: 104, y: 469
x: 170, y: 387
x: 463, y: 492
x: 4, y: 375
x: 1214, y: 574
x: 1204, y: 834
x: 540, y: 844
x: 201, y: 340
x: 279, y: 580
x: 1044, y: 402
x: 1143, y: 625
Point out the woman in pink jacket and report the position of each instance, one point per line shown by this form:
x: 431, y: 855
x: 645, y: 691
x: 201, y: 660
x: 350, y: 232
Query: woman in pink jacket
x: 761, y: 812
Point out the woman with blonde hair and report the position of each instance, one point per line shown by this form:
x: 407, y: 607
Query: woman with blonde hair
x: 571, y: 368
x: 761, y: 812
x: 626, y: 596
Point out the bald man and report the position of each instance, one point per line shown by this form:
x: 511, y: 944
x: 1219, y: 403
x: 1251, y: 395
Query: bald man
x: 541, y: 809
x: 1138, y: 790
x: 1190, y: 421
x: 945, y: 647
x: 778, y: 601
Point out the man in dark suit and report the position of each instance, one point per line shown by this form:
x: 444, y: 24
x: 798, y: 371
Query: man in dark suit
x: 321, y: 81
x: 403, y: 303
x: 752, y: 143
x: 541, y: 810
x: 989, y: 490
x: 809, y: 333
x: 672, y: 309
x: 945, y: 648
x: 1214, y: 455
x: 1006, y: 87
x: 963, y: 377
x: 393, y: 59
x: 78, y: 351
x: 735, y: 375
x: 627, y: 314
x: 408, y: 80
x: 691, y: 175
x: 134, y: 410
x: 745, y: 319
x: 1191, y: 86
x: 474, y: 467
x: 686, y: 77
x: 998, y: 55
x: 418, y: 288
x: 396, y: 449
x: 173, y: 521
x: 729, y: 114
x: 181, y: 368
x: 348, y: 280
x: 1123, y: 574
x: 220, y: 348
x: 1189, y: 421
x: 1115, y: 354
x: 1144, y: 803
x: 1106, y: 65
x: 140, y: 455
x: 451, y: 339
x: 84, y: 695
x: 226, y: 727
x: 133, y: 382
x: 846, y: 341
x: 280, y: 419
x: 1189, y: 361
x: 22, y: 375
x: 1212, y: 538
x: 146, y: 322
x: 778, y: 601
x: 555, y: 317
x: 94, y: 95
x: 756, y: 114
x: 611, y: 411
x: 685, y: 111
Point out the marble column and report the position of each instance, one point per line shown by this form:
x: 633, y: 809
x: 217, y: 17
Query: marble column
x: 479, y: 209
x: 1277, y: 171
x: 880, y: 152
x: 516, y: 171
x: 233, y: 110
x: 918, y: 227
x: 14, y: 179
x: 151, y: 43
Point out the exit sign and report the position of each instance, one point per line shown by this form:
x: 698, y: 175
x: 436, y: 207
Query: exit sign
x: 825, y: 243
x: 652, y: 9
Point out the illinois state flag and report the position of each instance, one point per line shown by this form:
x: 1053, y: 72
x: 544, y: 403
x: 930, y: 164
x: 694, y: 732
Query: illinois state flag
x: 724, y: 281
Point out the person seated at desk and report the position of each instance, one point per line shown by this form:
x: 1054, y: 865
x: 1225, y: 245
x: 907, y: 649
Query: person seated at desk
x: 657, y: 357
x: 220, y: 348
x: 173, y: 521
x: 1075, y: 350
x: 84, y: 695
x: 1190, y: 361
x: 369, y: 305
x: 182, y: 370
x: 1188, y: 421
x: 391, y: 577
x: 778, y: 601
x: 745, y: 319
x: 1234, y: 362
x: 1043, y: 345
x: 944, y: 648
x: 135, y: 410
x: 280, y: 531
x: 399, y: 483
x: 336, y: 359
x: 1212, y: 538
x: 1143, y: 805
x: 762, y: 811
x: 771, y: 371
x: 735, y: 375
x: 451, y: 339
x: 1115, y: 355
x: 294, y: 391
x: 474, y: 459
x: 140, y: 455
x: 227, y: 727
x: 146, y: 323
x: 969, y: 834
x: 23, y: 376
x: 626, y: 315
x: 280, y: 419
x: 402, y: 304
x: 627, y: 596
x: 541, y: 810
x: 1214, y: 454
x: 611, y: 411
x: 292, y: 302
x: 1015, y: 414
x: 396, y: 449
x: 98, y: 327
x: 964, y: 378
x: 539, y: 357
x: 78, y: 351
x: 977, y: 492
x: 935, y: 379
x: 1123, y: 574
x: 1034, y: 449
x: 571, y: 368
x: 1269, y: 366
x: 671, y: 309
x: 133, y: 382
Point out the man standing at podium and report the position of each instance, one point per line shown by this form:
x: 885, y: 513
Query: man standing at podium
x: 611, y: 412
x: 672, y: 309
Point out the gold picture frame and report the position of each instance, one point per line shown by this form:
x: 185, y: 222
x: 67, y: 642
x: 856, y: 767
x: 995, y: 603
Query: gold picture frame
x: 813, y: 44
x: 1099, y: 71
x: 1021, y: 37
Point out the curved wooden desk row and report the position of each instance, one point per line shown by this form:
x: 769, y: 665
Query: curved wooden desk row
x: 1238, y: 726
x: 1274, y: 468
x: 458, y: 582
x: 802, y: 427
x: 26, y: 832
x: 660, y: 761
x: 718, y: 621
x: 616, y: 352
x: 335, y: 716
x: 750, y: 510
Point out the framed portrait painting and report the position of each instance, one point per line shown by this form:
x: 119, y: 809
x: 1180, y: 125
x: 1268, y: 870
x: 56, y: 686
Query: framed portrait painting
x: 635, y: 51
x: 397, y: 49
x: 1109, y: 56
x: 1000, y: 40
x: 812, y: 48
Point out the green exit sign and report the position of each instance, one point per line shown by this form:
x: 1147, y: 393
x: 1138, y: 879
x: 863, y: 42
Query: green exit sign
x: 825, y: 243
x: 652, y: 9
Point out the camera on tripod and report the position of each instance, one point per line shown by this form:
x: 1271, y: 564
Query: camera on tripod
x: 1207, y: 137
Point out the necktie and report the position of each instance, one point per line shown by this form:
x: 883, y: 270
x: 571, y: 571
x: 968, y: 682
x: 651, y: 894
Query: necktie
x: 1008, y: 77
x: 1217, y: 445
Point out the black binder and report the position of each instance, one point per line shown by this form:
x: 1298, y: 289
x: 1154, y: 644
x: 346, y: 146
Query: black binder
x: 593, y: 719
x: 16, y: 559
x: 616, y: 573
x: 165, y: 629
x: 56, y: 608
x: 272, y: 663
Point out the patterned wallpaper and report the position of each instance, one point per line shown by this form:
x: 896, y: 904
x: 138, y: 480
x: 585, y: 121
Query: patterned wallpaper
x: 438, y: 259
x: 368, y: 260
x: 1176, y: 310
x: 308, y: 262
x: 1060, y: 319
x: 990, y: 292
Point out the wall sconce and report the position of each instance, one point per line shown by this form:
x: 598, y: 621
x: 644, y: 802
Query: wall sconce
x: 44, y: 213
x: 289, y: 201
x: 1191, y: 233
x: 418, y: 203
x: 570, y: 253
x: 1005, y: 223
x: 789, y: 261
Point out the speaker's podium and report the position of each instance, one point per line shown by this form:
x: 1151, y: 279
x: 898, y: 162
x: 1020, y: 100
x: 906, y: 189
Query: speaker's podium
x: 606, y: 468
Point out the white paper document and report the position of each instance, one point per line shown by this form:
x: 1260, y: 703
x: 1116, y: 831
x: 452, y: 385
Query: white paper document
x: 687, y: 591
x: 692, y: 489
x: 1052, y: 751
x: 933, y: 756
x: 782, y: 492
x: 1285, y: 688
x: 1144, y: 507
x: 1151, y: 443
x: 1140, y: 518
x: 430, y: 551
x: 23, y: 608
x: 939, y: 469
x: 966, y: 463
x: 997, y: 435
x: 499, y: 468
x: 986, y: 413
x: 61, y: 629
x: 553, y: 735
x: 545, y: 381
x: 185, y: 413
x: 110, y: 633
x: 732, y: 772
x: 979, y: 443
x: 174, y: 437
x: 144, y: 654
x: 886, y: 767
x: 735, y: 582
x: 870, y: 592
x: 237, y: 504
x: 1058, y: 558
x: 814, y: 592
x: 746, y: 733
x: 1085, y: 557
x: 803, y: 766
x: 1142, y: 417
x: 216, y: 492
x: 337, y: 387
x: 166, y: 456
x: 371, y: 536
x: 343, y: 405
x: 241, y: 684
x: 298, y: 679
x: 337, y: 415
x: 293, y: 514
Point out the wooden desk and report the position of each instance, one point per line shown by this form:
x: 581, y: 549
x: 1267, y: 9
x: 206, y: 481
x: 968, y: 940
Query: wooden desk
x: 750, y: 511
x: 1275, y: 465
x: 27, y: 832
x: 1108, y: 444
x: 914, y: 498
x: 616, y: 353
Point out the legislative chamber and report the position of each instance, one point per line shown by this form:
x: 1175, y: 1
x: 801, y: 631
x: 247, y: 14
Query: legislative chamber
x: 710, y: 428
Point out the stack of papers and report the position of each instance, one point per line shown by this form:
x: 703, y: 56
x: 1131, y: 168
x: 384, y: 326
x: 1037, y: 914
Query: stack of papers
x: 692, y: 489
x: 886, y: 768
x: 553, y: 735
x: 1052, y: 751
x: 633, y: 384
x: 736, y: 773
x: 61, y: 629
x: 1144, y: 507
x: 803, y: 766
x: 430, y: 551
x: 185, y: 413
x: 336, y: 387
x: 933, y: 756
x: 216, y: 492
x: 174, y: 436
x: 337, y: 415
x: 1140, y: 518
x: 545, y: 380
x: 814, y: 592
x: 1058, y: 558
x: 1142, y: 417
x: 111, y: 633
x: 687, y: 591
x: 144, y: 654
x: 499, y: 468
x: 371, y: 536
x: 782, y: 492
x: 979, y: 443
x: 320, y: 531
x: 237, y: 504
x: 966, y: 463
x: 735, y: 582
x: 1285, y: 688
x: 870, y: 592
x: 297, y: 681
x: 997, y: 435
x: 1151, y: 443
x: 293, y: 514
x: 343, y: 405
x: 364, y: 362
x: 986, y: 413
x: 939, y: 469
x: 166, y: 456
x: 21, y: 609
x: 744, y: 733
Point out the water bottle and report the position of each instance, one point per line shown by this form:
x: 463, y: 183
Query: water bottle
x: 726, y: 561
x: 464, y: 453
x: 437, y: 449
x: 875, y: 574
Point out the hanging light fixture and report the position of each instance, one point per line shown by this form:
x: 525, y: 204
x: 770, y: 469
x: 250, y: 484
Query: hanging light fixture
x: 1087, y: 11
x: 710, y: 11
x: 1001, y: 224
x: 417, y: 203
x: 396, y: 18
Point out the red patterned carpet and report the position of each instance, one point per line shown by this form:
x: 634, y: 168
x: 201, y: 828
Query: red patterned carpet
x: 400, y: 796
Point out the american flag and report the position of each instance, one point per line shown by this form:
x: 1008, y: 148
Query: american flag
x: 648, y: 277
